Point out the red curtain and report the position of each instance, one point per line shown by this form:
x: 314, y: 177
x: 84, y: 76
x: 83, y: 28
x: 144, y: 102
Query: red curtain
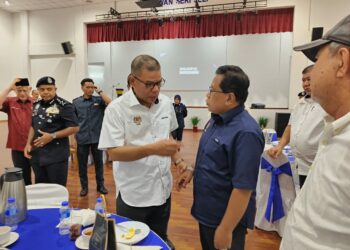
x: 263, y: 21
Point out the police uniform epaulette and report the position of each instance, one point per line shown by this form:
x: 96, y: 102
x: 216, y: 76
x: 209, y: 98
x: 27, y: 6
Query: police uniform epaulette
x: 61, y: 101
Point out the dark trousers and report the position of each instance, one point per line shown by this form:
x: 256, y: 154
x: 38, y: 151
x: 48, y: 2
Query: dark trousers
x: 156, y: 217
x: 19, y: 161
x: 207, y: 237
x: 177, y: 133
x: 83, y: 155
x: 302, y: 179
x: 52, y: 173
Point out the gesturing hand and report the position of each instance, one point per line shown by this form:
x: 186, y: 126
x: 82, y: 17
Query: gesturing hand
x: 166, y: 147
x: 42, y: 140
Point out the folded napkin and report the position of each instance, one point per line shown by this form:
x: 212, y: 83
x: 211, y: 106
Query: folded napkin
x: 128, y: 247
x: 84, y: 217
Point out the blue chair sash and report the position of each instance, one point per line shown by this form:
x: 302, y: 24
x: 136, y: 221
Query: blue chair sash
x: 275, y: 198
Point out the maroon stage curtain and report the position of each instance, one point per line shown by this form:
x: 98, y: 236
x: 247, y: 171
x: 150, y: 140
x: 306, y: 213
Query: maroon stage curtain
x: 264, y: 21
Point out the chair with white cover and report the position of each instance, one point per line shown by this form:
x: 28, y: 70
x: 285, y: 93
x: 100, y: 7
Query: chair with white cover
x: 277, y: 193
x: 46, y: 195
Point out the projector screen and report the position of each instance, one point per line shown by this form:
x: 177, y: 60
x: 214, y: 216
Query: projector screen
x: 189, y: 65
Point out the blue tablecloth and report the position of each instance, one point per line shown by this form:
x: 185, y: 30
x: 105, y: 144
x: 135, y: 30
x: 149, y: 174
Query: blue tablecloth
x: 39, y: 231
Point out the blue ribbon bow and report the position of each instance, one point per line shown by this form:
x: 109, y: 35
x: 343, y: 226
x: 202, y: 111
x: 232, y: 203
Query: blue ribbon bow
x: 275, y: 198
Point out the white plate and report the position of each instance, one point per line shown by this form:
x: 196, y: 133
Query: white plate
x: 81, y: 244
x: 13, y: 238
x: 132, y: 224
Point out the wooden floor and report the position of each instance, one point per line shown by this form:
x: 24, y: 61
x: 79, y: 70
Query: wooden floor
x: 183, y: 229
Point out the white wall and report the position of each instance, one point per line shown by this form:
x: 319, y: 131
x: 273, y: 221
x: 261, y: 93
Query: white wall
x: 6, y: 49
x: 48, y: 28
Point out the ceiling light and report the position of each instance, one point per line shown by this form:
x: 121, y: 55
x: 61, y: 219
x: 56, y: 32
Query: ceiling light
x: 7, y: 3
x: 197, y: 6
x: 114, y: 12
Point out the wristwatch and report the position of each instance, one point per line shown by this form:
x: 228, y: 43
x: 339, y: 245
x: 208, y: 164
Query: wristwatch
x: 177, y: 162
x: 190, y: 168
x: 53, y: 136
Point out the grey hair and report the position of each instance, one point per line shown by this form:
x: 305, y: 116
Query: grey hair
x: 144, y: 62
x: 334, y: 47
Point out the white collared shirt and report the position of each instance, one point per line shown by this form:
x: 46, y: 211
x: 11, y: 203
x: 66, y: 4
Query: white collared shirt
x: 147, y: 181
x: 320, y: 216
x: 307, y: 123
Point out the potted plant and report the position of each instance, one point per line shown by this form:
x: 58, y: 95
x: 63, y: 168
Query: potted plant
x: 263, y: 122
x: 195, y: 120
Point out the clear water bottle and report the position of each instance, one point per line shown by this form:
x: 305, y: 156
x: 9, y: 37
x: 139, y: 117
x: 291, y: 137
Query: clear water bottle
x: 11, y: 214
x: 64, y: 214
x: 99, y: 206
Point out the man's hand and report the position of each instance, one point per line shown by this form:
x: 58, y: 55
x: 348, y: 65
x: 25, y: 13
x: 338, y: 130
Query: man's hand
x: 181, y: 167
x: 13, y: 84
x: 166, y: 147
x: 222, y: 238
x: 97, y: 89
x: 44, y: 139
x: 275, y: 151
x: 27, y: 151
x: 183, y: 179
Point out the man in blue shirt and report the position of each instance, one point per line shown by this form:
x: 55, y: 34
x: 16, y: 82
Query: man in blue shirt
x: 227, y: 164
x: 90, y: 111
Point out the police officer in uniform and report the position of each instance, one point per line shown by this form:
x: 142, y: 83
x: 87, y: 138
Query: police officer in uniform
x: 53, y: 120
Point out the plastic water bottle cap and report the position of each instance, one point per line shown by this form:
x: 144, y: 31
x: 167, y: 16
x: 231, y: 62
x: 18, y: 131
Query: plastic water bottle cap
x: 11, y: 200
x: 64, y: 203
x: 99, y: 200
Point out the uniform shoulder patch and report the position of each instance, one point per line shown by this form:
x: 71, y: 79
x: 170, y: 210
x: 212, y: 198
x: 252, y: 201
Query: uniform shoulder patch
x: 61, y: 101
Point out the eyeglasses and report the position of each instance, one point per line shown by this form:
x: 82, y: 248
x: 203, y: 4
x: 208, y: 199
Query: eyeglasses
x: 149, y: 84
x: 215, y: 91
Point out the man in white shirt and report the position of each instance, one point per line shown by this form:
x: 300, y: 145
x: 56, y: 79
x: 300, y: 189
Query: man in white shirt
x: 320, y: 217
x: 136, y: 132
x: 303, y: 130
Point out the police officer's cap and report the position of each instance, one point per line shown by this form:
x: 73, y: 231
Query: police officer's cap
x: 46, y: 80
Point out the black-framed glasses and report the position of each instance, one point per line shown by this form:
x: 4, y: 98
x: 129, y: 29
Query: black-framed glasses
x: 151, y: 85
x: 216, y: 91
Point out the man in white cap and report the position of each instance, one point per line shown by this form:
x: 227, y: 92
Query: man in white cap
x: 320, y: 218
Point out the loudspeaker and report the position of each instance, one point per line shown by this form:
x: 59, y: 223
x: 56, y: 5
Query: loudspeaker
x: 67, y: 48
x: 281, y: 122
x: 317, y: 33
x: 149, y: 3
